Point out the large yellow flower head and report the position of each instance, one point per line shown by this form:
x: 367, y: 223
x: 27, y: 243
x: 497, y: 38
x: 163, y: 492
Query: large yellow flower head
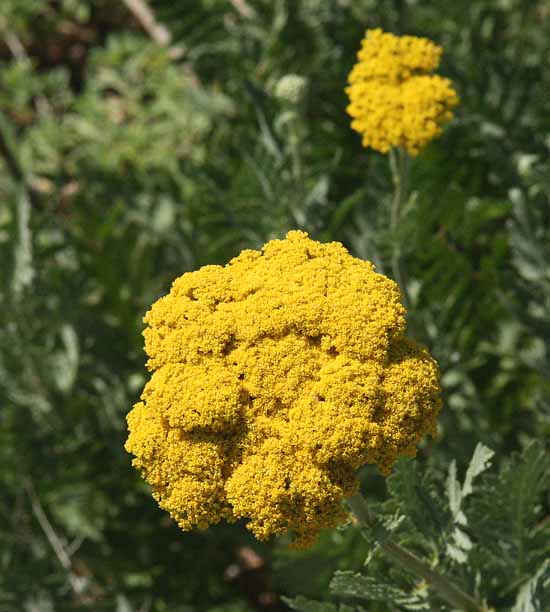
x: 395, y: 101
x: 274, y: 379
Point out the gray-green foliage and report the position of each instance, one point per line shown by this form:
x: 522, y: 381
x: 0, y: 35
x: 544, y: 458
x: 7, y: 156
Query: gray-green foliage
x: 124, y: 164
x: 487, y: 532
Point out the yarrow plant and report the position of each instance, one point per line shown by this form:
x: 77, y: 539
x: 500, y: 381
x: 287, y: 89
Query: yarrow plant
x: 274, y: 378
x: 395, y: 100
x: 398, y: 106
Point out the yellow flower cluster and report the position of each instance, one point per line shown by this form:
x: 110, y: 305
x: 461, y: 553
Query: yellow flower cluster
x: 394, y: 100
x: 274, y: 379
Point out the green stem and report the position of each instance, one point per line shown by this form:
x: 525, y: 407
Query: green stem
x: 399, y: 163
x: 446, y: 589
x: 294, y: 142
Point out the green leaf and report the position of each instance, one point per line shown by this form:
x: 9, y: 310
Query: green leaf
x: 350, y: 584
x: 344, y: 208
x: 534, y: 595
x: 459, y: 546
x: 123, y: 605
x: 65, y: 362
x: 23, y: 273
x: 454, y: 495
x: 481, y: 460
x: 415, y: 499
x: 318, y: 193
x: 505, y: 515
x: 302, y: 604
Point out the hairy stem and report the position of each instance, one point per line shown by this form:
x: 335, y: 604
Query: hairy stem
x: 447, y: 590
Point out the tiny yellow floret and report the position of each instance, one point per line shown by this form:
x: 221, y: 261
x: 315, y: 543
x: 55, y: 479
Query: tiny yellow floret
x: 395, y: 101
x: 274, y: 378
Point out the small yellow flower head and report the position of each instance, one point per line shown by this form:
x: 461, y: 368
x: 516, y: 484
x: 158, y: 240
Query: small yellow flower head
x: 274, y: 379
x: 395, y: 101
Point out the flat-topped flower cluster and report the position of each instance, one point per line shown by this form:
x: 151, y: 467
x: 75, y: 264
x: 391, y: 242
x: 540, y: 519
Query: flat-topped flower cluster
x: 274, y: 378
x: 395, y: 101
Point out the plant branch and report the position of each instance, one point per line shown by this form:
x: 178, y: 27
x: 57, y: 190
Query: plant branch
x: 77, y: 584
x: 158, y: 32
x: 243, y: 8
x: 446, y: 589
x: 19, y: 53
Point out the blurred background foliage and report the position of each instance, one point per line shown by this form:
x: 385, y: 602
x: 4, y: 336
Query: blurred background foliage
x: 135, y: 146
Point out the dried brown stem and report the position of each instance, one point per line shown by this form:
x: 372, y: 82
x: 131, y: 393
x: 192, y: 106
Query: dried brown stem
x: 158, y: 32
